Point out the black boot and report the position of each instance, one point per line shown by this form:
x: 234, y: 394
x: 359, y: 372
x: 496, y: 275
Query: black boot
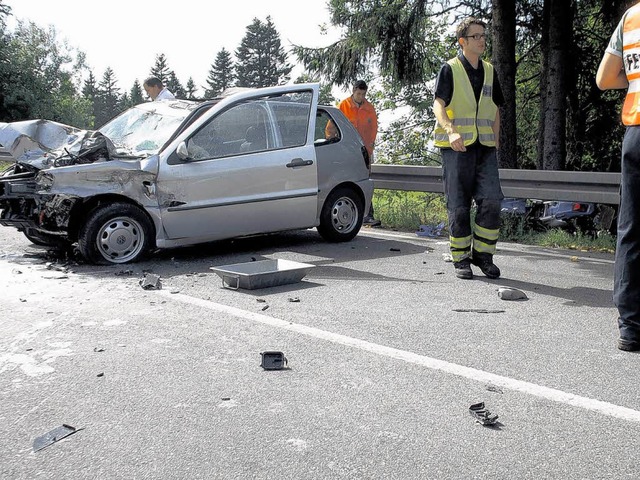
x: 463, y: 269
x: 485, y: 262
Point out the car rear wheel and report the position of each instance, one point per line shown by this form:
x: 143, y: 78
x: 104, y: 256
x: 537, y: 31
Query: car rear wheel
x: 118, y: 233
x: 341, y: 216
x: 45, y: 239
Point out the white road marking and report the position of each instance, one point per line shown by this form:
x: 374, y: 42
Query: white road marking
x: 541, y: 391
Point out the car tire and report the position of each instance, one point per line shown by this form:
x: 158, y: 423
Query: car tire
x: 45, y: 239
x: 115, y: 234
x: 341, y: 216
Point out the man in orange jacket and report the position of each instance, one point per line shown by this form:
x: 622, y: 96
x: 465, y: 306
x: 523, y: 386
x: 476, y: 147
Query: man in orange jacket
x: 362, y: 115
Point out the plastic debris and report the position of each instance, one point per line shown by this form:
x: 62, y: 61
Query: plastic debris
x: 53, y: 436
x: 430, y: 230
x: 482, y: 415
x: 447, y: 257
x: 273, y: 360
x: 151, y: 281
x: 508, y: 293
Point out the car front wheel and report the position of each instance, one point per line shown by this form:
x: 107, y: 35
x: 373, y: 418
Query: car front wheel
x: 341, y: 216
x: 117, y: 233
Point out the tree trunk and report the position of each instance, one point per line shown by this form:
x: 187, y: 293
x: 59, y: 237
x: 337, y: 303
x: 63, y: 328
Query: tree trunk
x: 504, y: 59
x: 554, y: 89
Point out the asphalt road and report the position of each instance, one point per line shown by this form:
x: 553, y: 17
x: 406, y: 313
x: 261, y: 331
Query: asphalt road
x: 386, y: 349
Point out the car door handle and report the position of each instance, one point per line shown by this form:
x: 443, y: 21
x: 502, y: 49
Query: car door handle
x: 298, y: 162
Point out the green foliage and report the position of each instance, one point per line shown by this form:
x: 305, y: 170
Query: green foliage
x: 325, y: 96
x: 261, y: 59
x: 160, y: 69
x: 221, y: 75
x: 408, y: 210
x: 190, y: 90
x: 174, y: 85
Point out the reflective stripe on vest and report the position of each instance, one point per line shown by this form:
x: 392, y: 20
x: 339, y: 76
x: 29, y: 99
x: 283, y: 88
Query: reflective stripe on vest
x: 631, y: 61
x: 473, y: 120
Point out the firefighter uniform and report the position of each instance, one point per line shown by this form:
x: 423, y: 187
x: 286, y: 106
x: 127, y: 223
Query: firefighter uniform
x: 472, y: 97
x: 625, y: 43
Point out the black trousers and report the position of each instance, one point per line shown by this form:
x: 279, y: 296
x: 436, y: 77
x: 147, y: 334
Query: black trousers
x: 467, y: 176
x: 626, y: 283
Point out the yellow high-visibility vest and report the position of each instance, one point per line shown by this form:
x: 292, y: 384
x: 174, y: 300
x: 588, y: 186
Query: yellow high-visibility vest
x: 630, y: 58
x: 473, y: 120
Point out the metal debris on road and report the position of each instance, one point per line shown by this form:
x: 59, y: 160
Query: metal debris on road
x: 53, y: 436
x: 482, y: 415
x: 494, y: 388
x: 477, y: 310
x: 273, y: 360
x: 509, y: 293
x: 151, y: 281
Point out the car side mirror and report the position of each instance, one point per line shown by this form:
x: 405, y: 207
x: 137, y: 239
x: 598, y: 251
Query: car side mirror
x: 183, y: 152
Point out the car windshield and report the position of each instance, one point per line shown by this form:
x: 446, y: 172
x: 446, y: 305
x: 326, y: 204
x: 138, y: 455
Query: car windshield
x: 141, y: 131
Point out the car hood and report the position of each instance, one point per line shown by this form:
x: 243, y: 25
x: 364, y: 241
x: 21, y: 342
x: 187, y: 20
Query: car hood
x: 44, y: 144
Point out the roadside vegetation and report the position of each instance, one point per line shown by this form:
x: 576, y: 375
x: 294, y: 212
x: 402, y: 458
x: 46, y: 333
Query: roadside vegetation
x: 407, y: 211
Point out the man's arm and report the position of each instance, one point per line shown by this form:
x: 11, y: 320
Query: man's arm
x: 611, y: 73
x: 440, y: 111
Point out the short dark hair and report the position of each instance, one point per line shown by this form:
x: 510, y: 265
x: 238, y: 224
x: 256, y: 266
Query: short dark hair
x: 463, y: 27
x: 360, y: 85
x: 153, y: 82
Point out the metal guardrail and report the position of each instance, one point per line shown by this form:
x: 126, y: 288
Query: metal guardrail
x: 595, y: 187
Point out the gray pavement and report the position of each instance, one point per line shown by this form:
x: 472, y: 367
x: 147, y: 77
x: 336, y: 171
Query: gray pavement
x: 382, y: 370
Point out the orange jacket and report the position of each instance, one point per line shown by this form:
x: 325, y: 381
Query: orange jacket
x: 362, y: 117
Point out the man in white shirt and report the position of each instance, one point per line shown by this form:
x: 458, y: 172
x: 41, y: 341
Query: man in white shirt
x: 156, y: 90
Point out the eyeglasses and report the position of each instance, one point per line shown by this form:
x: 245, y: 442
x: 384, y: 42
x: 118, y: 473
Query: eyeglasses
x: 477, y: 36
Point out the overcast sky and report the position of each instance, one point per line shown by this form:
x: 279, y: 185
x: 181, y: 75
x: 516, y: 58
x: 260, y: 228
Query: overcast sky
x: 126, y: 35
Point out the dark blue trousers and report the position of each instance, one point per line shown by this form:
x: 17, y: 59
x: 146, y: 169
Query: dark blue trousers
x: 626, y: 284
x: 467, y: 176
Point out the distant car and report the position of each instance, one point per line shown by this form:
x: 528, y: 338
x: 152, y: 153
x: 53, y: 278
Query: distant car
x: 173, y: 173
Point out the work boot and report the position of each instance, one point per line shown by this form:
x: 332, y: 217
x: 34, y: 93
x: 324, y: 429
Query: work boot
x: 463, y: 269
x: 628, y: 345
x: 485, y: 262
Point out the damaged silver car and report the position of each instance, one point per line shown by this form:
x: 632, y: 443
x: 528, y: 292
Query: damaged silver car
x: 174, y: 173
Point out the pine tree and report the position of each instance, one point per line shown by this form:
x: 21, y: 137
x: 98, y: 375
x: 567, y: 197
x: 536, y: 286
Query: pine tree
x: 135, y: 94
x: 261, y: 59
x: 221, y: 74
x: 191, y: 89
x: 109, y: 94
x: 174, y: 85
x: 161, y: 69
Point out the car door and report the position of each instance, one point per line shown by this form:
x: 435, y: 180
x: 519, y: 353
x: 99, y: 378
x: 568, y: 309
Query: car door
x: 242, y: 175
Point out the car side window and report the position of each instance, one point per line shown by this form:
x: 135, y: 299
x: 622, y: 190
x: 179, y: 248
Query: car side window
x: 327, y: 130
x: 291, y: 112
x: 243, y: 128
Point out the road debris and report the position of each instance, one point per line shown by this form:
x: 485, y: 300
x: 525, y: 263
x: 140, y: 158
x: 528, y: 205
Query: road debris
x: 508, y: 293
x: 101, y: 374
x: 477, y: 310
x: 264, y: 308
x: 430, y: 230
x: 394, y: 249
x: 294, y: 299
x: 447, y: 257
x: 261, y: 300
x: 151, y: 281
x: 273, y: 360
x: 53, y: 436
x: 494, y: 388
x: 482, y: 415
x: 98, y: 349
x: 123, y: 273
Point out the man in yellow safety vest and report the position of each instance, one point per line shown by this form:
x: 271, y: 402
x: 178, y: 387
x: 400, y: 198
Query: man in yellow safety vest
x: 467, y: 98
x: 620, y: 68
